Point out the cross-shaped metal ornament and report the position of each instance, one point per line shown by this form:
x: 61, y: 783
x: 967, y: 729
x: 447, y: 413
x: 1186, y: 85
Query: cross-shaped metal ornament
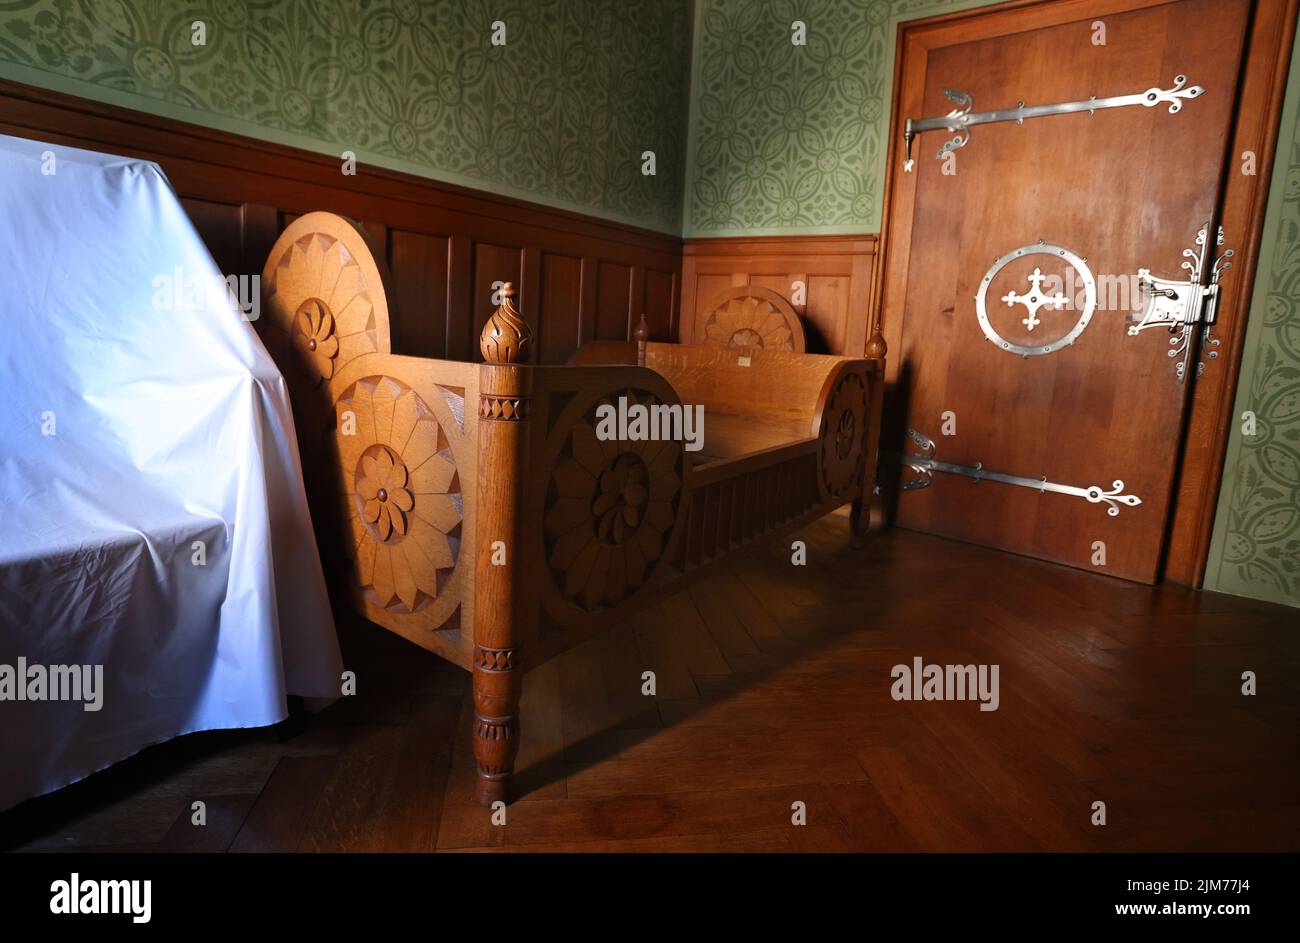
x: 1035, y: 299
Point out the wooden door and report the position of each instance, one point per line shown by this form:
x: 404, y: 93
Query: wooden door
x: 1119, y: 190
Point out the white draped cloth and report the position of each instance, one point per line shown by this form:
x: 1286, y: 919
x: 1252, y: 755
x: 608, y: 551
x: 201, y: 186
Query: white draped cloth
x: 153, y: 523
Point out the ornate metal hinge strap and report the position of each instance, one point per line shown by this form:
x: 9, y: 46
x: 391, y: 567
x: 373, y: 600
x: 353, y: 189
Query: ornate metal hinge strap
x: 925, y: 465
x: 962, y: 119
x: 1180, y: 306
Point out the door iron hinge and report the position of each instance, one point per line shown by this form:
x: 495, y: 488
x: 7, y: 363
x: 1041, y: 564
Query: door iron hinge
x: 925, y: 465
x: 961, y: 119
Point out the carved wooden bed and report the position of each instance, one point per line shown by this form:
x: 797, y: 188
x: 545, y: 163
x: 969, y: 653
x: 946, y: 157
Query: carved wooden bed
x: 472, y: 508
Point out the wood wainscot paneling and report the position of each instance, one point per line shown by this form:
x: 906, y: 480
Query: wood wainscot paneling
x: 837, y: 273
x: 580, y: 278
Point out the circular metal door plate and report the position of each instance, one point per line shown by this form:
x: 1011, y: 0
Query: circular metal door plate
x: 1039, y: 248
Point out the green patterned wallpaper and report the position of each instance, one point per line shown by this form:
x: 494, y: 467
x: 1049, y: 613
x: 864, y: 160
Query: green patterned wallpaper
x: 560, y: 114
x: 788, y: 139
x: 1256, y: 546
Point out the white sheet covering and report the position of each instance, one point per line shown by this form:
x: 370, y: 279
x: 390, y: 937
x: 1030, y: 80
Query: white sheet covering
x: 168, y: 427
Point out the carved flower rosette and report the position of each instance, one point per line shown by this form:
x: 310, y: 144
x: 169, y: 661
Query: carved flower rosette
x: 612, y: 505
x: 843, y: 435
x: 400, y: 493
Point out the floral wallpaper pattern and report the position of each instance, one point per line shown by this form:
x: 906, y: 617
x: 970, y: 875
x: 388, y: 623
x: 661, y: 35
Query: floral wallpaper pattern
x: 560, y: 113
x: 1256, y: 546
x: 789, y: 138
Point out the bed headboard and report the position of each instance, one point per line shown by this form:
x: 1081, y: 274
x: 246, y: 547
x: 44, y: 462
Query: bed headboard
x: 325, y: 303
x: 750, y: 316
x: 776, y: 385
x: 327, y: 291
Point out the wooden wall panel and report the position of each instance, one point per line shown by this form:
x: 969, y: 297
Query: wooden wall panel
x: 559, y: 331
x: 579, y: 277
x: 419, y: 263
x: 836, y: 270
x: 613, y: 302
x: 827, y: 317
x: 222, y: 228
x: 697, y: 292
x: 659, y: 302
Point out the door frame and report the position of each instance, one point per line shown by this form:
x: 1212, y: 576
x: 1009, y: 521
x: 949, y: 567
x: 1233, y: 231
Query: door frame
x: 1265, y: 62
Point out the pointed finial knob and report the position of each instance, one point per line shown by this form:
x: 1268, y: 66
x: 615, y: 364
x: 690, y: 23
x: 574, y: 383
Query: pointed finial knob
x: 506, y: 336
x: 876, y: 346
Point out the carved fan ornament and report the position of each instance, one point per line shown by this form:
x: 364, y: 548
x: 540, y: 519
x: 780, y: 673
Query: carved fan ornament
x: 401, y: 492
x: 610, y: 510
x: 751, y: 317
x: 843, y: 437
x: 319, y: 297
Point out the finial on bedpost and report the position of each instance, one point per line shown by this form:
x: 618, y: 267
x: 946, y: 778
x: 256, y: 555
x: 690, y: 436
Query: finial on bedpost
x: 506, y: 336
x: 641, y: 334
x: 876, y: 346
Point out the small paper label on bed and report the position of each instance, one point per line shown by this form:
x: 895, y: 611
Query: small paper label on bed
x: 742, y: 361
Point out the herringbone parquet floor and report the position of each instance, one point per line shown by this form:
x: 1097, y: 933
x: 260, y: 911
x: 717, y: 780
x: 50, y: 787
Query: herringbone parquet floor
x: 773, y: 688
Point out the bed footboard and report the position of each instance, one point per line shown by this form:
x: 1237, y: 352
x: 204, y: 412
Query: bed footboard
x: 488, y: 512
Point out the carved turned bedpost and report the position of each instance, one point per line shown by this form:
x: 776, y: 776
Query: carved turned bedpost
x: 505, y: 386
x: 860, y: 513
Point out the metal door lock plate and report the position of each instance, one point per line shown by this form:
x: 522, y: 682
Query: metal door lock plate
x: 1181, y: 306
